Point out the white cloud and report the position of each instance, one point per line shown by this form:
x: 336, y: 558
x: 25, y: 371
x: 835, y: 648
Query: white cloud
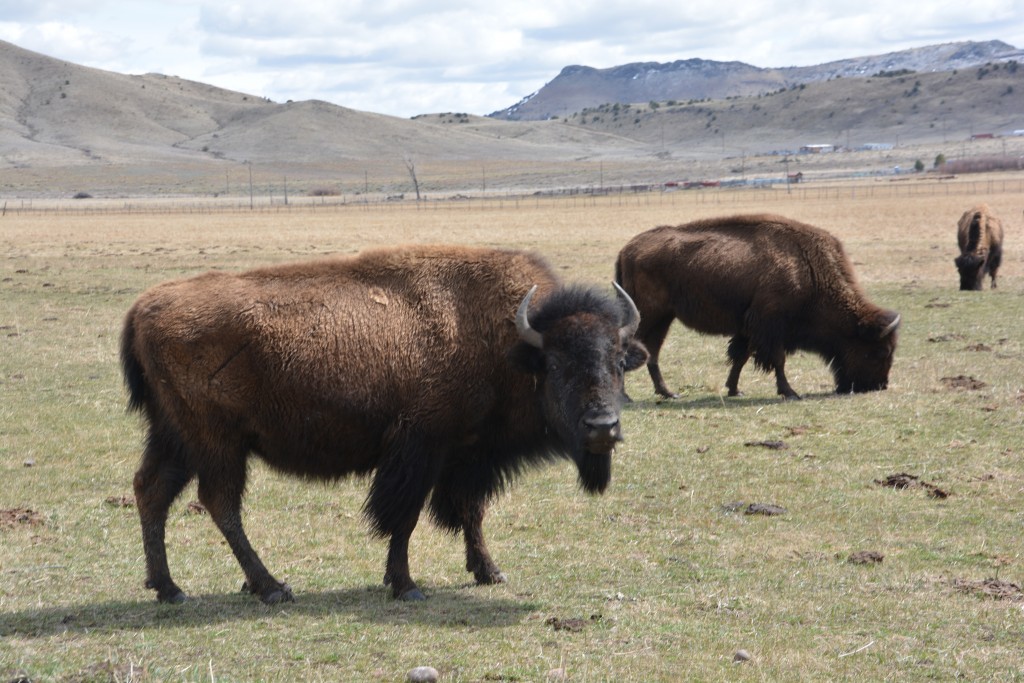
x: 405, y: 57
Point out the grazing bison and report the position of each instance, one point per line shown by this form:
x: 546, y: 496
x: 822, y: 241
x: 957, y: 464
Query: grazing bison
x: 427, y: 366
x: 980, y: 236
x: 773, y: 284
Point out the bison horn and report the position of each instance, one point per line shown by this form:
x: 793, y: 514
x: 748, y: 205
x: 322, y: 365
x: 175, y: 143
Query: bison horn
x: 527, y: 333
x: 890, y: 327
x: 633, y: 322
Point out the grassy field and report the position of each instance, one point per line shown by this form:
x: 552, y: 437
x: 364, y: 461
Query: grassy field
x: 665, y: 577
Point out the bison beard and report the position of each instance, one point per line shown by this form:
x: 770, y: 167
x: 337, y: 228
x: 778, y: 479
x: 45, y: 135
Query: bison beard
x: 402, y: 364
x: 595, y: 472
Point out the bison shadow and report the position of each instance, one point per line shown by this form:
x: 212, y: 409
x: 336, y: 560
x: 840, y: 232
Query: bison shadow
x: 720, y: 401
x: 455, y: 606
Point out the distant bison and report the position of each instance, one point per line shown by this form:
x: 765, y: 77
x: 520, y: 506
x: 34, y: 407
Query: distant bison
x: 980, y: 236
x: 773, y: 284
x: 429, y: 367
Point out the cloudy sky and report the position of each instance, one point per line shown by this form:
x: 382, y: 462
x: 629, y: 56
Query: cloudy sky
x: 408, y: 57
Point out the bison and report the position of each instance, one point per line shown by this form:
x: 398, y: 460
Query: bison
x: 439, y: 371
x: 773, y: 284
x: 980, y: 236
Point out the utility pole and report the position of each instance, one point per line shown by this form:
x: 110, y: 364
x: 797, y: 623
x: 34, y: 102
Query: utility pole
x: 249, y: 164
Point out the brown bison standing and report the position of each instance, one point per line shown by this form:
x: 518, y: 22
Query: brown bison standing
x: 774, y: 285
x: 980, y: 236
x: 412, y: 364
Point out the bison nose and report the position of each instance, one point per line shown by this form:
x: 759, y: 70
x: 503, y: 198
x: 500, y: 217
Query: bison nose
x: 601, y: 429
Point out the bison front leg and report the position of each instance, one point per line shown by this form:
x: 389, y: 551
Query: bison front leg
x: 396, y: 573
x: 400, y: 487
x: 459, y: 502
x: 781, y: 383
x: 769, y: 353
x: 478, y: 558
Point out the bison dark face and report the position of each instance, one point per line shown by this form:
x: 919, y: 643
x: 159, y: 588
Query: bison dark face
x: 972, y: 271
x: 863, y: 363
x: 580, y: 345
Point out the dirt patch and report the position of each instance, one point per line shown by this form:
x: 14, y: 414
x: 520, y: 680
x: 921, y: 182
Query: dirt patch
x: 121, y: 501
x: 766, y: 509
x: 866, y: 557
x: 13, y: 517
x: 771, y: 445
x: 946, y: 338
x: 195, y: 508
x: 574, y: 625
x: 962, y: 382
x: 911, y: 481
x: 977, y: 347
x: 990, y: 588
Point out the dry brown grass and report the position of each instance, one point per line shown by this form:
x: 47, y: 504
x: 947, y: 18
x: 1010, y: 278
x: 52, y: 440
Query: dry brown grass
x: 663, y: 578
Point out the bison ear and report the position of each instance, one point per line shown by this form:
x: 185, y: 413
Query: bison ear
x: 880, y: 325
x: 526, y: 358
x: 636, y: 355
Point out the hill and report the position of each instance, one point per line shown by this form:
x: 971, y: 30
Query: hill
x: 65, y: 128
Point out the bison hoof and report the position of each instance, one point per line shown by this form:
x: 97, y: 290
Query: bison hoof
x: 170, y: 593
x: 279, y: 595
x: 173, y: 599
x: 276, y: 594
x: 489, y: 578
x: 412, y: 595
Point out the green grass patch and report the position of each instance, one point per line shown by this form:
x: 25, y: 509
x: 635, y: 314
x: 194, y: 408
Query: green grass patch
x: 665, y: 577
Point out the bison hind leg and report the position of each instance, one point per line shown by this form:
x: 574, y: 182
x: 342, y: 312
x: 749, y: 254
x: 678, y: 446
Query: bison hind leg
x: 221, y: 486
x: 995, y: 257
x: 161, y: 477
x: 652, y: 333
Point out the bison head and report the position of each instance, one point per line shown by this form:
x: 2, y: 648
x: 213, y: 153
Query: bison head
x: 864, y: 360
x: 580, y: 344
x: 971, y: 266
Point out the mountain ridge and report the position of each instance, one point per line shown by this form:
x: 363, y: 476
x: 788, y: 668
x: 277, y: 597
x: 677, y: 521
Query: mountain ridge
x: 579, y: 87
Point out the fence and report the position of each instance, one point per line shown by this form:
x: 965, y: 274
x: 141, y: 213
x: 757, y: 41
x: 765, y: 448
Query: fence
x: 625, y: 195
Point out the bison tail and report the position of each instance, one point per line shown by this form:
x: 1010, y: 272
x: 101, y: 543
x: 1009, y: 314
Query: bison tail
x: 134, y: 375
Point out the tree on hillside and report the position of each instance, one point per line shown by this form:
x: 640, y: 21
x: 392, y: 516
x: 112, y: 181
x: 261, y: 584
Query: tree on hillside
x: 410, y: 165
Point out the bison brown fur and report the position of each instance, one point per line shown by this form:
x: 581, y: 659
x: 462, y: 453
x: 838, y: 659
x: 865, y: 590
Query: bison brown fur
x: 408, y: 365
x: 979, y: 233
x: 772, y: 284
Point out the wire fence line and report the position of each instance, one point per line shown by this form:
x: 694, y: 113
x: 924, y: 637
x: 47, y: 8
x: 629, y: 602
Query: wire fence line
x: 624, y: 195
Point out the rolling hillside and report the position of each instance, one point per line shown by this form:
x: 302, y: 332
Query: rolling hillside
x: 67, y: 128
